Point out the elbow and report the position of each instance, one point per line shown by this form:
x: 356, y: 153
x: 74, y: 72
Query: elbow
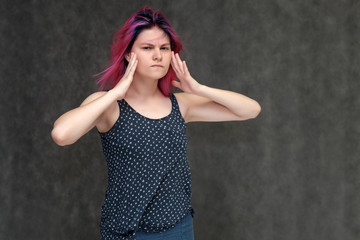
x: 59, y: 136
x: 256, y: 111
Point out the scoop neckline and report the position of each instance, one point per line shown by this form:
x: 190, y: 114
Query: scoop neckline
x: 148, y: 118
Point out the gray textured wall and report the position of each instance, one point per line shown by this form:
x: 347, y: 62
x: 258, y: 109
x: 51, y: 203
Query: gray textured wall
x: 292, y: 173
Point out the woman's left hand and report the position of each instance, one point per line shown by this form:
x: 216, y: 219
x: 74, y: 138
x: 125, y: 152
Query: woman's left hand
x: 187, y: 83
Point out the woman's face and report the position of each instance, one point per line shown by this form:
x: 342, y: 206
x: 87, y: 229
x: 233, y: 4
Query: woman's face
x: 153, y: 51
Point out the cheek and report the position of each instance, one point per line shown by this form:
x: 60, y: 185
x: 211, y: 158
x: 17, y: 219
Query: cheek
x: 167, y: 58
x: 140, y: 60
x: 139, y: 66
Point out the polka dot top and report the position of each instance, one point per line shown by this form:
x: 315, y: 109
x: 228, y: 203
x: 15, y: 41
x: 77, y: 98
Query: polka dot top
x: 149, y: 180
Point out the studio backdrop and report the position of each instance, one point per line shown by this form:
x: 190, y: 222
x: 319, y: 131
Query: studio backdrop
x: 291, y: 173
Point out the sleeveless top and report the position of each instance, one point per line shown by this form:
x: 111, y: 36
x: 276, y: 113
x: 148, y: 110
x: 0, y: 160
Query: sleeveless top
x: 149, y: 180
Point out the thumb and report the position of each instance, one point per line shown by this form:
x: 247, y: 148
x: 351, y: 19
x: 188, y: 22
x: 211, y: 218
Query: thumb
x: 176, y: 84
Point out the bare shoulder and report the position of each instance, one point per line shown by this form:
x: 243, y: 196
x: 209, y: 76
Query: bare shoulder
x: 108, y: 118
x: 187, y: 101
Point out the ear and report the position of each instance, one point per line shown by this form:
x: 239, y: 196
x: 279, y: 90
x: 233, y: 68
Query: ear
x: 127, y: 57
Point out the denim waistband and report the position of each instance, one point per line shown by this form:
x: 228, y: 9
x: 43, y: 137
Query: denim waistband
x: 183, y: 230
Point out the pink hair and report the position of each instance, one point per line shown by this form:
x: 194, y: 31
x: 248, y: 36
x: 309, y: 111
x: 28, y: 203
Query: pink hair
x: 123, y: 41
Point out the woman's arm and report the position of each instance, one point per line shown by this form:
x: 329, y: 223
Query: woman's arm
x: 202, y: 103
x: 73, y: 124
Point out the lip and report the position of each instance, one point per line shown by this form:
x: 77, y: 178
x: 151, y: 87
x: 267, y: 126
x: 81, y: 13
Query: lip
x: 157, y: 66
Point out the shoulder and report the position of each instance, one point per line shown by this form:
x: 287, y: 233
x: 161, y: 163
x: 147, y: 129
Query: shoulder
x: 187, y: 102
x: 182, y: 100
x: 107, y: 119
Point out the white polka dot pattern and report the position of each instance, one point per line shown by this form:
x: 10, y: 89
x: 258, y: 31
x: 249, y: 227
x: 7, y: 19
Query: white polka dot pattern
x: 149, y: 181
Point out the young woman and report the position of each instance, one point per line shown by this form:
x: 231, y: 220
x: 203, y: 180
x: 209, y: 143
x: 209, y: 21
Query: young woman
x: 142, y: 129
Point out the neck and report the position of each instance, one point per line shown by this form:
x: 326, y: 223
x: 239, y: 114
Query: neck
x: 143, y: 88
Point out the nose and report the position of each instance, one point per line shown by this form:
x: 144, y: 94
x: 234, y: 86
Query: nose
x: 157, y: 56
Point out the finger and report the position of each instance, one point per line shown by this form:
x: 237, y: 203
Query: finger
x: 172, y: 60
x: 178, y: 60
x: 186, y: 70
x: 133, y: 68
x: 174, y: 63
x: 133, y: 61
x: 176, y: 84
x: 130, y: 66
x: 176, y: 69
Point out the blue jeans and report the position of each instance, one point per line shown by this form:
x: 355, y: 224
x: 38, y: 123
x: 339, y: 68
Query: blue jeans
x: 182, y: 231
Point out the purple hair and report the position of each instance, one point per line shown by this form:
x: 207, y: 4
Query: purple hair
x: 123, y: 41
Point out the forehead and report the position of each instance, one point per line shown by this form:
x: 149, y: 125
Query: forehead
x: 153, y: 35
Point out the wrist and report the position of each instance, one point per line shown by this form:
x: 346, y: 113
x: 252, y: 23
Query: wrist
x: 116, y: 95
x: 201, y: 89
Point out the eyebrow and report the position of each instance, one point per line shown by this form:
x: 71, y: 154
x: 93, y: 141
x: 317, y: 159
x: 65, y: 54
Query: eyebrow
x: 147, y: 43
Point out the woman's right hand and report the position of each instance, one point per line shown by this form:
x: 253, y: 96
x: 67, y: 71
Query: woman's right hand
x: 123, y: 85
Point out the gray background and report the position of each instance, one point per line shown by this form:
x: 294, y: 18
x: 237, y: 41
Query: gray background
x: 291, y: 173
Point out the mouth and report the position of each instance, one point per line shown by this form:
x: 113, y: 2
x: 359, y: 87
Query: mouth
x: 157, y: 66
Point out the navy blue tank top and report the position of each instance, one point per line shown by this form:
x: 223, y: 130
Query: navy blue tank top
x: 149, y: 180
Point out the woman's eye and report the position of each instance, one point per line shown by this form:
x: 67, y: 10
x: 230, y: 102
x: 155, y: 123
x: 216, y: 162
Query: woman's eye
x: 162, y: 48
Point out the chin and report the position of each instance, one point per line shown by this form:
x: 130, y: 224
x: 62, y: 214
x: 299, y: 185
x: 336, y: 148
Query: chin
x: 152, y: 74
x: 158, y: 75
